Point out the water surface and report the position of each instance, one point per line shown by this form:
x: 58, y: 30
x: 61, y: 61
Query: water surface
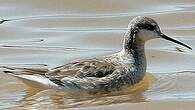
x: 46, y: 34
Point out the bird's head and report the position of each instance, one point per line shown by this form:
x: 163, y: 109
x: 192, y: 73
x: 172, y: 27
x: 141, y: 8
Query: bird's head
x: 144, y: 29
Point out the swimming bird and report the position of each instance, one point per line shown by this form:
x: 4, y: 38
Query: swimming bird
x: 106, y: 73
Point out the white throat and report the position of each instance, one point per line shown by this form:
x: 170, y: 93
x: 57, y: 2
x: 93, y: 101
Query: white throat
x: 145, y: 35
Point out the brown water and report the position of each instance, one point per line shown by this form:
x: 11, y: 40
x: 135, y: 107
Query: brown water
x: 48, y: 33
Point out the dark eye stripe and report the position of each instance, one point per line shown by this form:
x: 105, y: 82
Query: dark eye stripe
x: 147, y: 27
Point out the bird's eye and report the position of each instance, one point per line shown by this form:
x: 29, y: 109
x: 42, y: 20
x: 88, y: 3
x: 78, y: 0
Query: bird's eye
x: 150, y: 27
x: 147, y: 27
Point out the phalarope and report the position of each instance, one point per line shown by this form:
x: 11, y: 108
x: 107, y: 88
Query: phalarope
x: 106, y: 73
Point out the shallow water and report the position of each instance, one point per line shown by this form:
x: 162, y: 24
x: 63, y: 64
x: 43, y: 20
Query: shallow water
x: 45, y: 34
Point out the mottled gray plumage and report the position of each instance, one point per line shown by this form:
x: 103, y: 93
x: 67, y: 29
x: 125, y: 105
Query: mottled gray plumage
x: 111, y: 72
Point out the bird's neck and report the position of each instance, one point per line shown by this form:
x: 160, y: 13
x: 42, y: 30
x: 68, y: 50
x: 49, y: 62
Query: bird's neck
x: 134, y: 49
x: 131, y: 47
x: 133, y: 43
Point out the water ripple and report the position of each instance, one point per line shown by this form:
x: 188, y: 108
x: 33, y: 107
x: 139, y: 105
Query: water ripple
x: 163, y: 9
x: 173, y: 86
x: 55, y: 48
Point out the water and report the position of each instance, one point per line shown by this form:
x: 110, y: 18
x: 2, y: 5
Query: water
x: 46, y: 34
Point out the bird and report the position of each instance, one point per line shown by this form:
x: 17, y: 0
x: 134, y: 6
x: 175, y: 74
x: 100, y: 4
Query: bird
x: 101, y: 74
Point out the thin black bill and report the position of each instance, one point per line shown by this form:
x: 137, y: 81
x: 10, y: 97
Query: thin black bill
x: 173, y: 40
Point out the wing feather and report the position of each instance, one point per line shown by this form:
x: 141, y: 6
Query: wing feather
x: 87, y: 68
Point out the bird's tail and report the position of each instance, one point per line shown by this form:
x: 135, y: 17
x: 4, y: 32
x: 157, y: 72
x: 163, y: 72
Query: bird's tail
x: 30, y: 76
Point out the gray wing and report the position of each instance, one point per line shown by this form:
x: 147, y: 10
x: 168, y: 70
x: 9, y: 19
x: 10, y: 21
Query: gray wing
x: 84, y: 68
x: 86, y: 74
x: 91, y: 75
